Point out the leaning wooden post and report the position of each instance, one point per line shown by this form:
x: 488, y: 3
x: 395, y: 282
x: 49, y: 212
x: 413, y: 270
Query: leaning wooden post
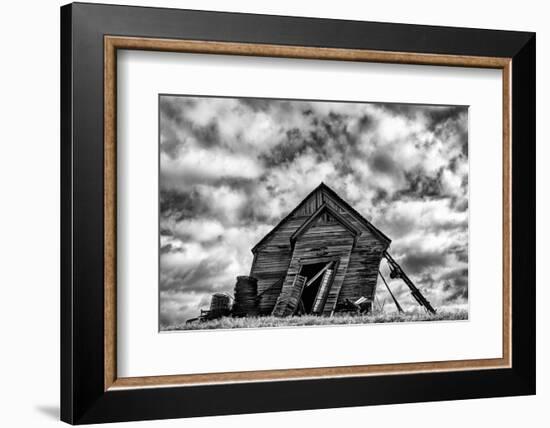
x: 399, y: 308
x: 397, y: 272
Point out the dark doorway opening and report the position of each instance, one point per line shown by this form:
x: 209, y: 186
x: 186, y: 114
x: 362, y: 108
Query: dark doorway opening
x: 310, y: 292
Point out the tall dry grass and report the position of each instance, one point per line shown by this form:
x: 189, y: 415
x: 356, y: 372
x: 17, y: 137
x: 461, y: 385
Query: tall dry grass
x: 313, y: 320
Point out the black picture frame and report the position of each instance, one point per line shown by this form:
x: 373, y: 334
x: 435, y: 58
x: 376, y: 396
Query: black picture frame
x: 83, y: 398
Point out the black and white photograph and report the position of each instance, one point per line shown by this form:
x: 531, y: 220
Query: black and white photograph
x: 275, y: 214
x: 281, y: 213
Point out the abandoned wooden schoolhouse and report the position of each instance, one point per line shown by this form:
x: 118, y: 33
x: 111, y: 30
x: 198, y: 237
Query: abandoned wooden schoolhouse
x: 322, y: 253
x: 322, y: 258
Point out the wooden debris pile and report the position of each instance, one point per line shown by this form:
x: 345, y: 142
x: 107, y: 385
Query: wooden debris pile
x: 360, y: 306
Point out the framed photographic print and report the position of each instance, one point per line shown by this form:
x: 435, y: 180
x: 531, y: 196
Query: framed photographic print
x: 273, y: 213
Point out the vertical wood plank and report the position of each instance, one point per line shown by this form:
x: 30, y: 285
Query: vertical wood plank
x: 323, y: 292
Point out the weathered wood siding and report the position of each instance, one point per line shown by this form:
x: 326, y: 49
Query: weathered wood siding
x: 268, y: 298
x: 271, y: 263
x: 294, y: 295
x: 272, y: 259
x: 323, y: 241
x: 322, y: 294
x: 362, y: 272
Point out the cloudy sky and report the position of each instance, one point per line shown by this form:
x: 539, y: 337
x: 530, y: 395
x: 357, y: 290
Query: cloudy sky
x: 231, y: 168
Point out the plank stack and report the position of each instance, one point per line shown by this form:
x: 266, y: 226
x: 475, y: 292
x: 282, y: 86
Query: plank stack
x: 246, y: 301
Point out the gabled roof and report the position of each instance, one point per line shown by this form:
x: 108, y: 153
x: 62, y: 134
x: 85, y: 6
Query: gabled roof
x: 311, y: 220
x: 331, y: 193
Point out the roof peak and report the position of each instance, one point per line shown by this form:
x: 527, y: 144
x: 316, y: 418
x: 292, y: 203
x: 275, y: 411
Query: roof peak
x: 323, y: 185
x: 331, y: 193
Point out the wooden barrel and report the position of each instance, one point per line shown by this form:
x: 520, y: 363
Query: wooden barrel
x: 246, y: 297
x: 220, y: 305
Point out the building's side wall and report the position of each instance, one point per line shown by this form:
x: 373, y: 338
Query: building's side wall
x: 268, y: 298
x: 271, y: 263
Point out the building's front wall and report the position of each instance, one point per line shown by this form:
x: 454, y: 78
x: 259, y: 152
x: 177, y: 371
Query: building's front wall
x: 323, y: 241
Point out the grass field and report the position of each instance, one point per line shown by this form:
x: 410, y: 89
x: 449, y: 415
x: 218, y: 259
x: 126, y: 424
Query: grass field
x: 312, y: 320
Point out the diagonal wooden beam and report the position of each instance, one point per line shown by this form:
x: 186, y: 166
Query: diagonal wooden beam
x: 399, y: 308
x: 398, y: 272
x: 318, y: 274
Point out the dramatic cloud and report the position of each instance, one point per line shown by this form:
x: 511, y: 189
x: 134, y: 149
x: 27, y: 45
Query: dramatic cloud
x: 231, y: 168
